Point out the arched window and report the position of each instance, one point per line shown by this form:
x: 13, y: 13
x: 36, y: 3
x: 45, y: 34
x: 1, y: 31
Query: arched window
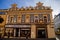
x: 36, y: 19
x: 45, y: 19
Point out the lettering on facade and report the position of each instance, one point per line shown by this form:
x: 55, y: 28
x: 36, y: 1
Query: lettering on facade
x: 17, y: 25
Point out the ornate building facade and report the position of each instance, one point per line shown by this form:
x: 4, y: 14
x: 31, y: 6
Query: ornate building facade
x: 27, y: 22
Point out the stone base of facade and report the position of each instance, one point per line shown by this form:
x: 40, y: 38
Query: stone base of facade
x: 27, y: 39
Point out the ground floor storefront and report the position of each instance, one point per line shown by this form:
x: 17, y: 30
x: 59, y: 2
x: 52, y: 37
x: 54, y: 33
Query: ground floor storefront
x: 26, y: 31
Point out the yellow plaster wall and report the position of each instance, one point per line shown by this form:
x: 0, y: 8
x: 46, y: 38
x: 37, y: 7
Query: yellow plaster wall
x: 33, y: 31
x: 50, y: 30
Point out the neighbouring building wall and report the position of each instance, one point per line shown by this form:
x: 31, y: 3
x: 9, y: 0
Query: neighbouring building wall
x: 57, y: 23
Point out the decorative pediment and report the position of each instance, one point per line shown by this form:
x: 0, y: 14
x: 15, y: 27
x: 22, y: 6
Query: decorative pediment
x: 13, y: 7
x: 39, y: 4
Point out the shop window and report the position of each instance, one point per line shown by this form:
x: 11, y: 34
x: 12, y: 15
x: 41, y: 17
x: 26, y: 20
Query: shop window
x: 5, y: 34
x: 8, y: 33
x: 25, y: 33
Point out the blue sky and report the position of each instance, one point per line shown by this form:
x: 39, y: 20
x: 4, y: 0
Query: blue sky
x: 54, y: 4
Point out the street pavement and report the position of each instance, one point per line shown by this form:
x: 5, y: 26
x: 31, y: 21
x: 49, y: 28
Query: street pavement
x: 57, y: 37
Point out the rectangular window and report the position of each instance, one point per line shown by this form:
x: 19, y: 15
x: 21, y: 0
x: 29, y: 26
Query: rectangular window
x: 27, y: 18
x: 23, y: 18
x: 8, y: 19
x: 15, y: 18
x: 48, y: 17
x: 11, y: 19
x: 32, y: 18
x: 36, y: 19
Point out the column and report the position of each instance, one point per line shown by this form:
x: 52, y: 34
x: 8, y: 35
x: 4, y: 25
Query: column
x: 33, y: 31
x: 14, y: 32
x: 19, y: 33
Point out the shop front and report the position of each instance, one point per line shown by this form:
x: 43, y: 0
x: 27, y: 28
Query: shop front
x: 41, y: 31
x: 17, y: 31
x: 25, y: 31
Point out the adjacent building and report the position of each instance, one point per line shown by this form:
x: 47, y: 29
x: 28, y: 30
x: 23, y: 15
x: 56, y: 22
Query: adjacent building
x: 27, y: 22
x: 57, y: 23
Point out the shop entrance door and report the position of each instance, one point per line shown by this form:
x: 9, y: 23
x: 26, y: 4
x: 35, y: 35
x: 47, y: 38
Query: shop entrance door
x: 41, y: 34
x: 25, y: 33
x: 17, y: 32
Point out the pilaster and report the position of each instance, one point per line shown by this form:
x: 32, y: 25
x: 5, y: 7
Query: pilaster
x: 33, y: 31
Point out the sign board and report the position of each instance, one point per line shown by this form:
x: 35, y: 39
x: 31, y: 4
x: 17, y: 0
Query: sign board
x: 17, y: 26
